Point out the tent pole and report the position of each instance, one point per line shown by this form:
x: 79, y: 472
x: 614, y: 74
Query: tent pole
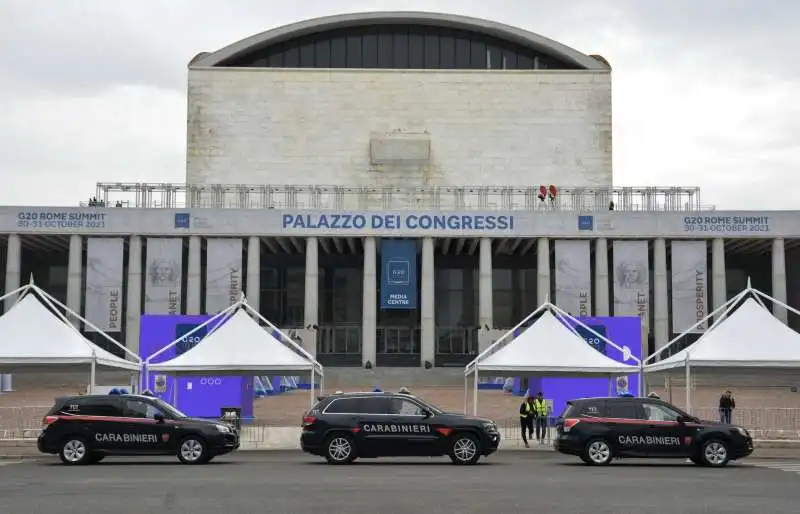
x: 475, y: 393
x: 92, y: 373
x: 610, y: 386
x: 312, y: 388
x: 642, y: 385
x: 688, y: 387
x: 466, y: 393
x: 176, y: 387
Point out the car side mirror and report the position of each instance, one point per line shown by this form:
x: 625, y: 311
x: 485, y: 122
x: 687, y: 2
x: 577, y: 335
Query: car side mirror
x: 684, y: 419
x: 159, y: 418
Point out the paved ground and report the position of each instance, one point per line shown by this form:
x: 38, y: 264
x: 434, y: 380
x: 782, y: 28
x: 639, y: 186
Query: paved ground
x: 290, y: 482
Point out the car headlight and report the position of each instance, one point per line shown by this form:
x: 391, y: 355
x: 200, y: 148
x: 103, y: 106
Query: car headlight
x: 490, y: 427
x: 224, y: 429
x: 742, y: 431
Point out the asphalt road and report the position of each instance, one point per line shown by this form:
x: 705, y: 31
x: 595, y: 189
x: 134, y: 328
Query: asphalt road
x: 290, y: 482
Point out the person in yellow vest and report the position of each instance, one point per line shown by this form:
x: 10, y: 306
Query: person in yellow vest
x: 526, y: 415
x: 540, y: 417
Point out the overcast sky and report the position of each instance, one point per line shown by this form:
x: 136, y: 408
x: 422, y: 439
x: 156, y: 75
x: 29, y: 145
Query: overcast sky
x: 705, y: 93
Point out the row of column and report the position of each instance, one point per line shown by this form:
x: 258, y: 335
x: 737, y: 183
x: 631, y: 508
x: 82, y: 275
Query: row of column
x: 370, y: 300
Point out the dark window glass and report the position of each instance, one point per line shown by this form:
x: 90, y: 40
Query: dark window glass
x: 354, y: 52
x: 509, y: 59
x: 416, y: 49
x: 658, y: 412
x: 92, y: 407
x: 364, y: 405
x: 343, y: 406
x: 585, y: 409
x: 524, y: 62
x: 385, y: 54
x: 400, y: 49
x: 322, y: 53
x: 291, y: 57
x: 431, y: 49
x: 447, y: 51
x: 276, y: 59
x: 623, y: 410
x: 307, y: 55
x: 477, y: 55
x: 140, y: 409
x: 338, y: 52
x: 403, y: 407
x: 370, y: 50
x: 375, y: 405
x: 462, y: 52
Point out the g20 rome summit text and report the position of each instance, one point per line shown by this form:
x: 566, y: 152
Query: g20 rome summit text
x: 345, y: 221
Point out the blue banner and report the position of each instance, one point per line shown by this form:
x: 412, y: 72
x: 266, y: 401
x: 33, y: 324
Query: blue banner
x: 398, y: 274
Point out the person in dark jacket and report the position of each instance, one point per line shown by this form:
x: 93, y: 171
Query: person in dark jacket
x: 726, y: 405
x: 527, y: 413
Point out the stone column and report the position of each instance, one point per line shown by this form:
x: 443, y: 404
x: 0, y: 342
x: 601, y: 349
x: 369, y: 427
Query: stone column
x: 13, y: 268
x: 660, y: 295
x: 427, y: 304
x: 194, y: 276
x: 311, y: 303
x: 779, y: 279
x: 369, y: 303
x: 718, y: 276
x: 543, y: 271
x: 485, y: 291
x: 601, y: 286
x: 133, y: 303
x: 75, y: 277
x: 253, y: 284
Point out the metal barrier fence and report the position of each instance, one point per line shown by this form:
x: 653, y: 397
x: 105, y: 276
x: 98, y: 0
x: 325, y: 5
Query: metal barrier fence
x: 763, y: 424
x: 463, y: 198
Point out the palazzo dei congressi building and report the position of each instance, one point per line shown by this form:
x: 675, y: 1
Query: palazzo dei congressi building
x: 381, y: 185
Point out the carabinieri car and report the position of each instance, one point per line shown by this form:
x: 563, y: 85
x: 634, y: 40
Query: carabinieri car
x: 344, y: 426
x: 84, y: 429
x: 601, y: 429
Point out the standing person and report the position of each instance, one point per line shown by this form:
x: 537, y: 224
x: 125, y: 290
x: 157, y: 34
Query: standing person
x: 540, y: 412
x: 526, y: 415
x: 726, y: 405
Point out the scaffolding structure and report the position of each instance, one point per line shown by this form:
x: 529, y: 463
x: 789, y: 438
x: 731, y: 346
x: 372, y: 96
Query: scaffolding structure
x: 486, y: 198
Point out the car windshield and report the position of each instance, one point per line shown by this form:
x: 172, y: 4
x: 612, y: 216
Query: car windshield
x: 168, y: 409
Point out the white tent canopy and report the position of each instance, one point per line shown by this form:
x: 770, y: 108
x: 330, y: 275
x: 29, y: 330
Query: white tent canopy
x: 549, y: 347
x: 747, y: 337
x: 238, y: 344
x: 34, y: 333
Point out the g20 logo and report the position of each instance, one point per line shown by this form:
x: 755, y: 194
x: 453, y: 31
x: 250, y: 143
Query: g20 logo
x: 594, y: 342
x: 210, y: 381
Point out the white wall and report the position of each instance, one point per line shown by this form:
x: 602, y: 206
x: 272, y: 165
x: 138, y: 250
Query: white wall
x: 309, y: 126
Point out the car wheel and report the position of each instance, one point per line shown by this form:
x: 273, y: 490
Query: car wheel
x: 74, y: 451
x: 340, y: 449
x: 465, y: 450
x: 193, y: 450
x: 715, y: 453
x: 597, y: 452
